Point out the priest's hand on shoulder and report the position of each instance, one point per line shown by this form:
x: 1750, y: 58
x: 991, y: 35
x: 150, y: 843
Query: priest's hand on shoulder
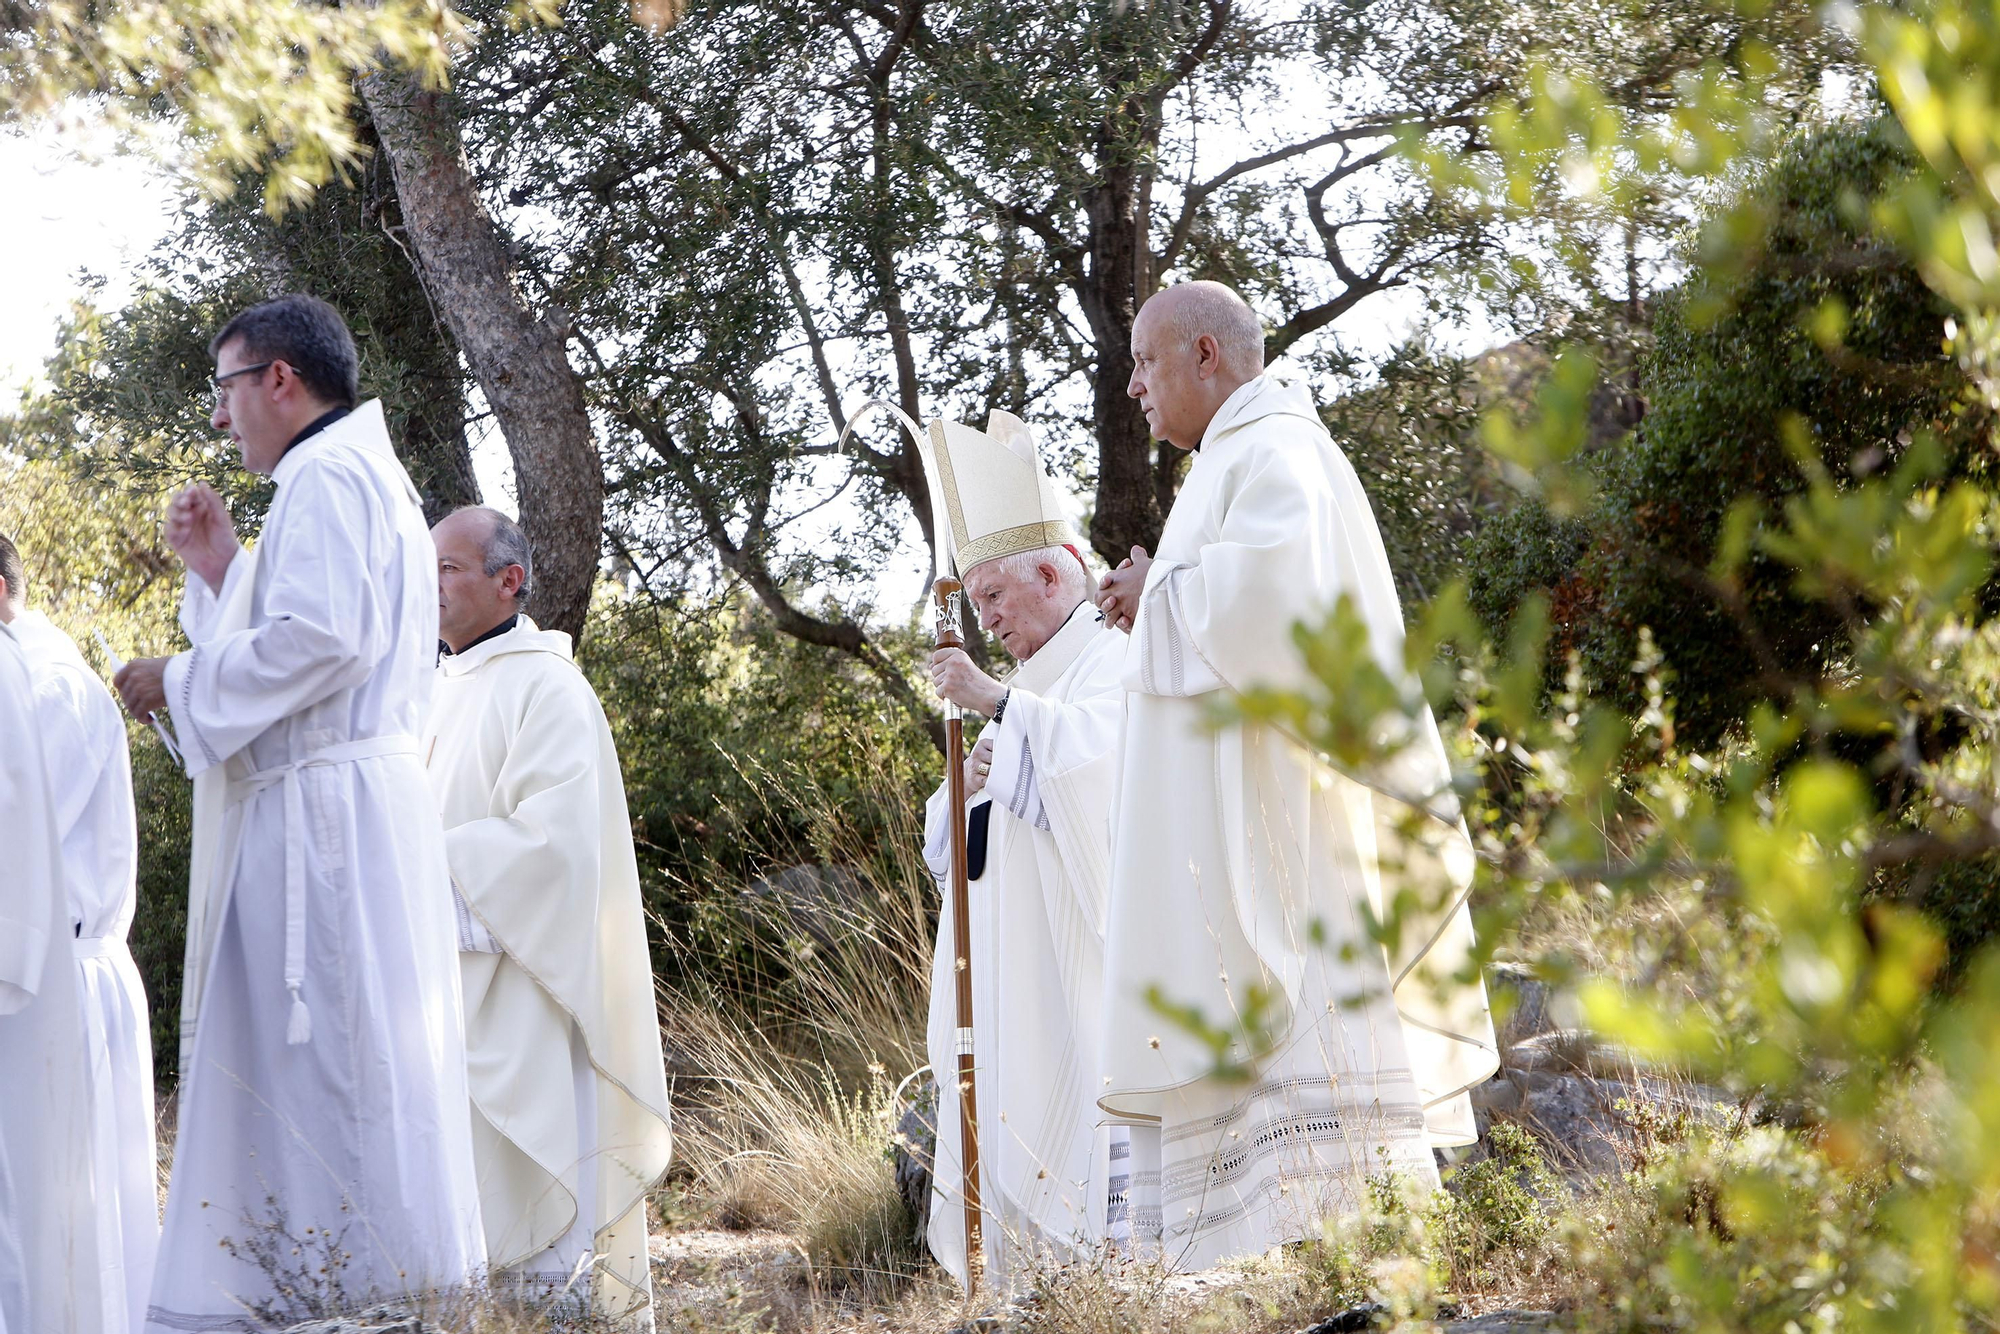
x: 1118, y: 594
x: 142, y: 685
x: 201, y: 533
x: 959, y: 680
x: 977, y: 765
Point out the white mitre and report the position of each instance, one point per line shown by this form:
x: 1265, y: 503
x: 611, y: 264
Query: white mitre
x: 998, y: 499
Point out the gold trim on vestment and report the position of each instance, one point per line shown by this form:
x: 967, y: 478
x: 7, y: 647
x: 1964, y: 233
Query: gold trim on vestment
x: 954, y: 514
x: 1011, y: 541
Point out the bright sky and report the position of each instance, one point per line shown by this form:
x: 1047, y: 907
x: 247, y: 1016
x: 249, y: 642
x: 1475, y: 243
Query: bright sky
x: 76, y: 206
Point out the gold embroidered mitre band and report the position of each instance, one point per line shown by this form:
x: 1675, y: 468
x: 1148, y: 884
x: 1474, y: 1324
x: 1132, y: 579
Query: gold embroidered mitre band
x: 998, y: 499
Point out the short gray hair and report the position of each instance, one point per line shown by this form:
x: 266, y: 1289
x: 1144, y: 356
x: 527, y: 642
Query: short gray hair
x: 505, y: 545
x: 1071, y: 577
x: 1211, y: 308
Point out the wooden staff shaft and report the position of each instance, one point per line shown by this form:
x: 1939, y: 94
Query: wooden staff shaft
x: 948, y: 636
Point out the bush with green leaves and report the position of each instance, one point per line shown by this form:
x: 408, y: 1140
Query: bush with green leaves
x: 1838, y: 504
x: 1824, y: 335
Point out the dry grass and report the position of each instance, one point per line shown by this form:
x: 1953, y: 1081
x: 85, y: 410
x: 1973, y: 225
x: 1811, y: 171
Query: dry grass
x: 786, y: 1057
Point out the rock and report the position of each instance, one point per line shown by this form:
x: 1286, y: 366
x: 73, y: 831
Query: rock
x: 1505, y: 1322
x: 1371, y: 1316
x: 817, y: 901
x: 914, y: 1143
x: 1575, y: 1117
x: 1525, y: 998
x: 1498, y: 1094
x: 375, y: 1320
x: 727, y: 1280
x: 1364, y: 1317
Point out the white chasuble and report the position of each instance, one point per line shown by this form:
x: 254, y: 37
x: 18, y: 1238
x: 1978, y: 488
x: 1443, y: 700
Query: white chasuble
x: 83, y: 730
x: 1037, y: 913
x: 1242, y: 864
x: 324, y: 1150
x: 568, y: 1082
x: 50, y: 1279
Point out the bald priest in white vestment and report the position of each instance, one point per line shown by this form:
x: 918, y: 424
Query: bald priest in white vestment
x: 49, y: 1274
x: 1241, y: 860
x: 91, y: 783
x: 322, y: 1105
x: 1039, y: 785
x: 569, y: 1088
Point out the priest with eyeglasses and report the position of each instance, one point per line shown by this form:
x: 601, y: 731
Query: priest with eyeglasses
x: 324, y: 1153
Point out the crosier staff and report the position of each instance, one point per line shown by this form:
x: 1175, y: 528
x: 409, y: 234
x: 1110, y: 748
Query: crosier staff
x: 948, y: 591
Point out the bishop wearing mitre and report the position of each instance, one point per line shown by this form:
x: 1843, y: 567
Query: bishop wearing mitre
x: 1040, y: 780
x: 324, y: 1152
x: 1245, y: 866
x: 50, y: 1279
x: 92, y: 787
x: 568, y: 1084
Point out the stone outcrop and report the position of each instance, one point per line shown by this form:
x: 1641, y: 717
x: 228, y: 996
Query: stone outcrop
x: 1579, y: 1095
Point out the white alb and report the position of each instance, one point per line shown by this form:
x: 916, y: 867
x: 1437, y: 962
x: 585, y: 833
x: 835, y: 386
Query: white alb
x: 1037, y: 918
x: 1243, y: 864
x: 568, y: 1083
x: 324, y: 1149
x: 49, y: 1273
x: 92, y: 788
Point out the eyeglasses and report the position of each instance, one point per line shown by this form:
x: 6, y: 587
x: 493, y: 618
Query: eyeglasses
x: 219, y: 386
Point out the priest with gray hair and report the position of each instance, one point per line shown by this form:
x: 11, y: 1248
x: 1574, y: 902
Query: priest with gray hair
x: 568, y: 1083
x: 1039, y: 781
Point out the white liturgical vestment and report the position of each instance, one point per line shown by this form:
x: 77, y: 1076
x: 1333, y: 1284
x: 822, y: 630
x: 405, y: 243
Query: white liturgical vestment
x: 324, y: 1148
x: 91, y: 780
x: 1242, y: 865
x: 50, y: 1280
x: 568, y: 1083
x: 1037, y: 911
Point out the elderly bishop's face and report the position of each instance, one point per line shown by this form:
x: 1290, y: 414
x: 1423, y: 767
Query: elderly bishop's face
x: 1023, y: 611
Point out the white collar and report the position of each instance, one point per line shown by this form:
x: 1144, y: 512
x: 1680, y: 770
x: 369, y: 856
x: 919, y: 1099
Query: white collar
x: 1057, y: 656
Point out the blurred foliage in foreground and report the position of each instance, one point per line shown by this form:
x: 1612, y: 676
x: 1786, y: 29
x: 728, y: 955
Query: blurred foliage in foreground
x: 1834, y: 529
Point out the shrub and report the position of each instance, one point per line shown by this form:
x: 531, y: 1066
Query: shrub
x: 1826, y: 339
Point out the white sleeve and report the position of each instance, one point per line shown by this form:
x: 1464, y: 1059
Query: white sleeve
x: 473, y: 937
x: 322, y: 630
x: 1012, y: 782
x: 199, y: 601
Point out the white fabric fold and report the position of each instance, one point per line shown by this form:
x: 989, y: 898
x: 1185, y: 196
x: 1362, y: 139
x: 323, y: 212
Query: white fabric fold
x: 525, y: 771
x: 1037, y: 955
x: 1245, y: 868
x: 50, y: 1273
x: 290, y: 778
x: 92, y: 789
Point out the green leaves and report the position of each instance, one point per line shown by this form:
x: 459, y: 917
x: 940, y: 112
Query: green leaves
x: 257, y: 86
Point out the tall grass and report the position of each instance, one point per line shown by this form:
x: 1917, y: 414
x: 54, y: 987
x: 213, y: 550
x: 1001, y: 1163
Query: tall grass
x: 795, y: 1004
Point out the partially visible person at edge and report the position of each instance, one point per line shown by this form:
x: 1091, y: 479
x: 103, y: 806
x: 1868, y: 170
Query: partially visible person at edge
x: 50, y: 1278
x: 568, y: 1081
x: 92, y: 783
x: 1242, y: 861
x: 325, y: 1148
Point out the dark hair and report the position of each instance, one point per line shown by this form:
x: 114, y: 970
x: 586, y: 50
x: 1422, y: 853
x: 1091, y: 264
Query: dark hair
x: 10, y: 570
x: 306, y: 334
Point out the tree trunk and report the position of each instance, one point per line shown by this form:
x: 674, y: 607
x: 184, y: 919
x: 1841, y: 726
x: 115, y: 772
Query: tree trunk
x: 1129, y: 511
x: 518, y: 359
